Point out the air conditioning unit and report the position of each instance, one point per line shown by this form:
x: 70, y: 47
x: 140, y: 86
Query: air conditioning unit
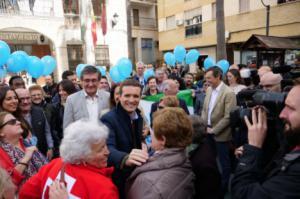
x: 42, y: 40
x: 179, y: 22
x: 227, y: 34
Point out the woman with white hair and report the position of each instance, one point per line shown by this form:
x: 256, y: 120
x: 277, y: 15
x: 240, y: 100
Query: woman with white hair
x: 82, y: 167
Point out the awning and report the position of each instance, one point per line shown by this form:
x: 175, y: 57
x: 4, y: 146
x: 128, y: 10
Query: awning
x: 262, y: 42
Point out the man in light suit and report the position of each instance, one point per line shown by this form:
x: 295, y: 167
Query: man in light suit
x: 218, y: 103
x: 89, y: 102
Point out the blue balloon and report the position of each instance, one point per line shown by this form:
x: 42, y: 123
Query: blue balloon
x: 179, y: 53
x: 224, y: 65
x: 49, y: 64
x: 35, y: 66
x: 4, y: 52
x: 124, y: 66
x: 20, y: 52
x: 17, y: 62
x: 192, y: 56
x: 2, y: 72
x: 169, y: 59
x: 148, y: 73
x: 25, y: 54
x: 114, y: 74
x: 79, y: 69
x: 102, y: 70
x: 209, y: 62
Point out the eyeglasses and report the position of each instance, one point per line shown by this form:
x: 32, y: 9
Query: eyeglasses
x: 160, y: 107
x: 9, y: 122
x: 94, y: 81
x: 36, y: 95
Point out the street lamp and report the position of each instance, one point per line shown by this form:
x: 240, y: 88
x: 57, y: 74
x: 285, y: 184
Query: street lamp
x: 268, y: 17
x: 115, y: 20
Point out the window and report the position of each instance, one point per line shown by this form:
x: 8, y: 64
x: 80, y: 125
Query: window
x: 136, y: 18
x: 171, y: 23
x: 75, y: 56
x: 283, y: 1
x: 244, y: 6
x: 147, y: 43
x: 102, y: 55
x: 193, y: 22
x: 213, y: 11
x: 71, y: 7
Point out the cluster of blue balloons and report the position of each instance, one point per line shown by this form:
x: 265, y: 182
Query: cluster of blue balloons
x: 121, y: 71
x: 19, y: 61
x: 223, y: 64
x: 179, y: 55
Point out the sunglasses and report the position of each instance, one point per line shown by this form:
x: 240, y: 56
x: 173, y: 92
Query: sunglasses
x: 160, y: 107
x: 9, y: 122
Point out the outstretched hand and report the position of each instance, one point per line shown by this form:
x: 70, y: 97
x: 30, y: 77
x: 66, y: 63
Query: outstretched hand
x: 257, y: 131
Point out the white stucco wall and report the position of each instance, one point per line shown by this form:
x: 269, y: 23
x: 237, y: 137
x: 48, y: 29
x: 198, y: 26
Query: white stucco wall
x: 116, y: 37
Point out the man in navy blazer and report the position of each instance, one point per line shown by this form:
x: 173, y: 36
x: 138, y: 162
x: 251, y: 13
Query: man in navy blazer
x: 125, y: 124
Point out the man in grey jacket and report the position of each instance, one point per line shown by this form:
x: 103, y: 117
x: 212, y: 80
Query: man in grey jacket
x: 89, y: 102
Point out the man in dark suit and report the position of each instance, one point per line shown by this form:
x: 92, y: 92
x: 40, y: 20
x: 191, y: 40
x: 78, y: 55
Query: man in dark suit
x: 139, y: 76
x: 38, y: 124
x: 170, y: 88
x: 125, y: 124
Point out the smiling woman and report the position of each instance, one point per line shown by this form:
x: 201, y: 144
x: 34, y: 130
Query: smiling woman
x: 21, y: 162
x: 8, y: 100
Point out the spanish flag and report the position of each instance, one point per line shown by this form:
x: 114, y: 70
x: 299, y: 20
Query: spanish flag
x: 94, y: 27
x: 103, y: 19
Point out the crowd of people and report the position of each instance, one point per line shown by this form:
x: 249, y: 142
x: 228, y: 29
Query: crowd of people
x: 91, y: 138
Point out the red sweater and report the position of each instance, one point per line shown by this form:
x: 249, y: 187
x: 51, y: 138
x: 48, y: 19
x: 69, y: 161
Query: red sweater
x: 83, y: 181
x: 8, y: 165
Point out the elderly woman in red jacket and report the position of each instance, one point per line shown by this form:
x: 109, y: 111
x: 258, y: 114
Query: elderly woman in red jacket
x: 19, y: 159
x: 82, y: 167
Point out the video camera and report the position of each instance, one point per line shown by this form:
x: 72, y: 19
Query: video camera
x: 274, y: 103
x: 246, y: 99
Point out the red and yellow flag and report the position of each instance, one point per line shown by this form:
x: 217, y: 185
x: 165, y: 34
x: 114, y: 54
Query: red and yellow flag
x: 94, y: 28
x: 103, y: 19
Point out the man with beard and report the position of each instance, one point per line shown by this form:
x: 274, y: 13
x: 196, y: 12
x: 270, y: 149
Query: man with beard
x: 284, y: 180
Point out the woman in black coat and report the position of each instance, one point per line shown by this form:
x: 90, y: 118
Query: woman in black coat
x: 203, y: 157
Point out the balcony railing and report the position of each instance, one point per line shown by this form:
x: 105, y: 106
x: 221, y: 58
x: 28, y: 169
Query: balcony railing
x: 142, y: 22
x: 27, y: 7
x: 145, y: 1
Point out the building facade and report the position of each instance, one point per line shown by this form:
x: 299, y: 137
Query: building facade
x: 192, y: 23
x: 145, y: 31
x: 63, y: 29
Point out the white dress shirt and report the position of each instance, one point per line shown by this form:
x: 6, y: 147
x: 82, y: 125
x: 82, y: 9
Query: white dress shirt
x: 92, y: 106
x: 214, y: 94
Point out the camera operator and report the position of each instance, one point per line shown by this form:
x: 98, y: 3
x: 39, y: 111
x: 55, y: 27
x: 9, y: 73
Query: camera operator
x: 283, y: 180
x: 271, y: 82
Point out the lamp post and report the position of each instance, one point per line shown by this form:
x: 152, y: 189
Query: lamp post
x: 115, y: 19
x: 268, y: 17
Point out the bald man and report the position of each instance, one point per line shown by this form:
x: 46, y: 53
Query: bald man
x: 169, y: 88
x: 271, y: 82
x: 36, y: 119
x: 263, y: 70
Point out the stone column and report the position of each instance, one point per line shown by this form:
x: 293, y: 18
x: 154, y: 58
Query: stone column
x: 61, y: 55
x: 139, y: 49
